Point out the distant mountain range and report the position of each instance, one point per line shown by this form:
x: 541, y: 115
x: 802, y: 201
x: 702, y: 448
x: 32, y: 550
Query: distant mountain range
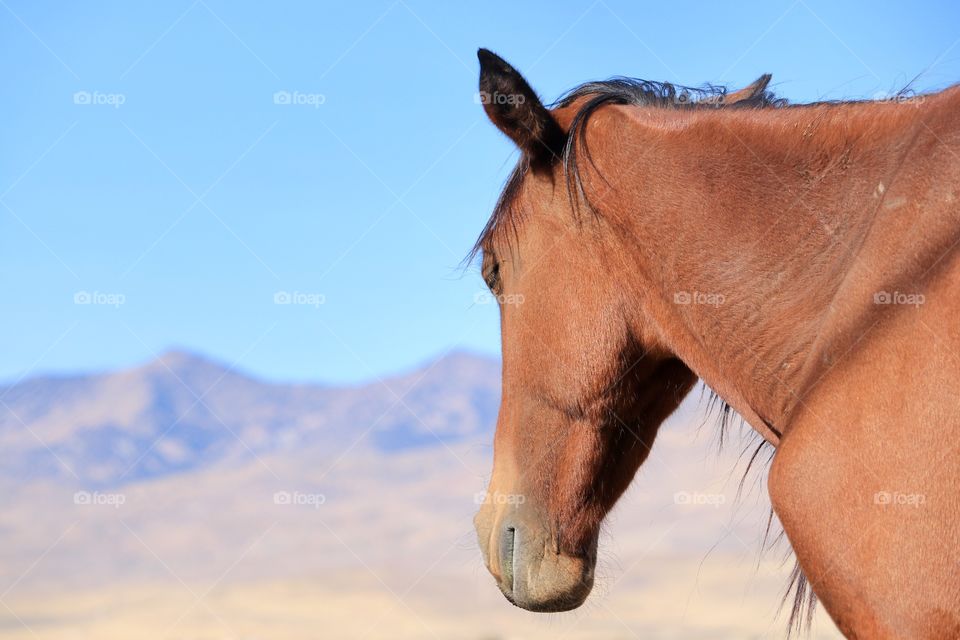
x: 182, y: 412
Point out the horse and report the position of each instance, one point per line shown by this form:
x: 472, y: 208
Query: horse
x: 801, y: 260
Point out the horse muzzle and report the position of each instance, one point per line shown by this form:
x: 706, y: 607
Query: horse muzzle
x: 530, y: 572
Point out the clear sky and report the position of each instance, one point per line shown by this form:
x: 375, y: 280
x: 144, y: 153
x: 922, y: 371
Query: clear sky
x: 149, y: 162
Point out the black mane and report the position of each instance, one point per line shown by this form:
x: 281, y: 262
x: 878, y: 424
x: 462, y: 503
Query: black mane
x: 623, y: 90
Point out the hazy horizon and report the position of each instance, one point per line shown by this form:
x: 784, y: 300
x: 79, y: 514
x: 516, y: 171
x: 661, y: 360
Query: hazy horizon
x: 238, y: 367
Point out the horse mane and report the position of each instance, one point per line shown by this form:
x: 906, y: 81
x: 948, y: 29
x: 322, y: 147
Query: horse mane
x: 506, y: 218
x: 635, y: 92
x: 618, y: 90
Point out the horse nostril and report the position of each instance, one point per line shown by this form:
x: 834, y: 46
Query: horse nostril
x: 507, y: 544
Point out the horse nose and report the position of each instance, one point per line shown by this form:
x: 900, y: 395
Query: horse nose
x: 524, y: 558
x: 534, y: 575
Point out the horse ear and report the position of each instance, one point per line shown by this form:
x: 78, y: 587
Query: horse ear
x: 512, y: 105
x: 750, y: 92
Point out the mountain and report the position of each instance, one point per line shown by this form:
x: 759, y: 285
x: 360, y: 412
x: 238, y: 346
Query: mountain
x: 183, y: 412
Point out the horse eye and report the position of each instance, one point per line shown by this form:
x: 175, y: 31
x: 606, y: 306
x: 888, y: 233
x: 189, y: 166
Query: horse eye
x: 491, y: 276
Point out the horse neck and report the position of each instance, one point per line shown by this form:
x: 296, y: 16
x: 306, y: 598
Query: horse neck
x: 749, y: 226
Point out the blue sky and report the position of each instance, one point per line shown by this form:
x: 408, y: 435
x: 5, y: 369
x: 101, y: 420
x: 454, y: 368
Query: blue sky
x: 150, y: 163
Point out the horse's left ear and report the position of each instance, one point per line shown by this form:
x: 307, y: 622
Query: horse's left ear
x: 512, y: 105
x: 750, y: 92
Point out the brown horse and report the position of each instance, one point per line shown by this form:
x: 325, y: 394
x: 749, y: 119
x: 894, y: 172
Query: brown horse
x: 802, y: 261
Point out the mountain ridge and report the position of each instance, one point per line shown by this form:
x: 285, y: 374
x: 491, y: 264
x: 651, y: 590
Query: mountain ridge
x: 183, y: 410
